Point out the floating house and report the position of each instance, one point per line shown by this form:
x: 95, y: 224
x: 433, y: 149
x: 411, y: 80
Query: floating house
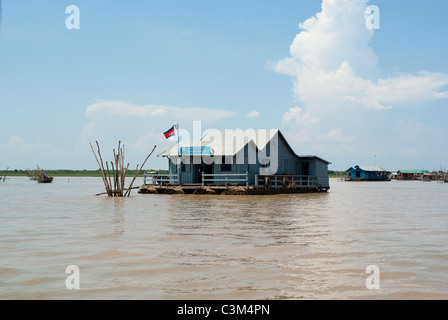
x: 410, y: 174
x: 431, y: 176
x: 256, y: 161
x: 368, y: 173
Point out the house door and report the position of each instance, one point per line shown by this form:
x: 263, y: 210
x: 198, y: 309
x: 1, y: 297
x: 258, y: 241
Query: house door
x: 202, y: 168
x: 305, y: 169
x: 197, y: 174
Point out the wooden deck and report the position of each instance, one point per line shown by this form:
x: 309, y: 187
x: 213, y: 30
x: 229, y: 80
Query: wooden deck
x: 232, y: 184
x: 226, y: 189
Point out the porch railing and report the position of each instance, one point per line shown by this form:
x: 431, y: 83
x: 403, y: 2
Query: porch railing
x: 227, y: 179
x: 261, y: 181
x: 288, y: 181
x: 160, y: 179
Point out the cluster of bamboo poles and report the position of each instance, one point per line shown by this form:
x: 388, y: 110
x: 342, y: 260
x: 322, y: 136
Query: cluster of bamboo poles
x: 115, y: 176
x: 35, y: 174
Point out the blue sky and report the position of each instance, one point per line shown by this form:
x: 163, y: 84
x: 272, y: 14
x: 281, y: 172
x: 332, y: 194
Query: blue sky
x: 134, y: 68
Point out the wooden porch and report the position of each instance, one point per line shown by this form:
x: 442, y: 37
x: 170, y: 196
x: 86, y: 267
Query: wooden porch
x: 232, y: 184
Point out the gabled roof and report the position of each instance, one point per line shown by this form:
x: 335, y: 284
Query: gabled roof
x: 368, y: 169
x: 230, y: 142
x: 226, y: 143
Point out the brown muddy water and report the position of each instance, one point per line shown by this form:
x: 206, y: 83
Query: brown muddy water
x: 314, y: 246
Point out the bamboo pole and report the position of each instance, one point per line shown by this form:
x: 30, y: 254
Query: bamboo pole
x: 115, y: 171
x: 108, y: 185
x: 101, y: 168
x: 108, y: 179
x: 124, y: 176
x: 112, y: 179
x: 137, y: 172
x: 123, y: 171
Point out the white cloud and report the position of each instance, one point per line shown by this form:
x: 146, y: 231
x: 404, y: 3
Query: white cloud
x: 333, y: 65
x: 253, y: 114
x: 297, y: 115
x: 348, y: 107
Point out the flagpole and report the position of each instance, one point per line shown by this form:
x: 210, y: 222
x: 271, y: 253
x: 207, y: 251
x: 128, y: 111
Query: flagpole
x: 178, y: 141
x: 178, y: 153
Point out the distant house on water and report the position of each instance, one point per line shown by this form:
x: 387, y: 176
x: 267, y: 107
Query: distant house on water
x: 410, y: 174
x: 368, y: 173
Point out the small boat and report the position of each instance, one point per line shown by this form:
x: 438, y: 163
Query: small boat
x: 44, y: 179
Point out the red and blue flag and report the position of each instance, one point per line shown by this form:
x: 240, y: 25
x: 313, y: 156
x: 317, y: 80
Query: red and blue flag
x: 169, y: 133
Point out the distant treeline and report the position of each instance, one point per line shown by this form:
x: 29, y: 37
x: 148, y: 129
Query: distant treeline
x: 73, y: 173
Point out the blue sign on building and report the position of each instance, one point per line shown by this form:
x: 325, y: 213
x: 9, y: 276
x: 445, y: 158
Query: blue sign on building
x: 196, y: 151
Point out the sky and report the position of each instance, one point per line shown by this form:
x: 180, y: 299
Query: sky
x: 310, y: 68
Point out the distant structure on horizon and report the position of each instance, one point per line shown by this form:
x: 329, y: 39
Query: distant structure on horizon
x: 367, y: 173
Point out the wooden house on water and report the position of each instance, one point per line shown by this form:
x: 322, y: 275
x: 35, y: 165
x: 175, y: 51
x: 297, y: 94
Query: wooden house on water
x: 410, y: 174
x: 256, y: 161
x: 430, y: 176
x: 368, y: 173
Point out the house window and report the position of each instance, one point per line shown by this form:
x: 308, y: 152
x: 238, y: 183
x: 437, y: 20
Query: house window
x: 182, y: 167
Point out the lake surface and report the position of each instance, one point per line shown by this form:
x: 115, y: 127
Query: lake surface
x: 314, y: 246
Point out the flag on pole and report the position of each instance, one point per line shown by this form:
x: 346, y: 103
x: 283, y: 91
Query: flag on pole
x: 169, y: 133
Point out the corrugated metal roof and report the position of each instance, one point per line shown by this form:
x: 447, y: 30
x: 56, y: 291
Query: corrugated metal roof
x: 227, y: 143
x: 369, y: 168
x: 372, y: 168
x: 413, y: 171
